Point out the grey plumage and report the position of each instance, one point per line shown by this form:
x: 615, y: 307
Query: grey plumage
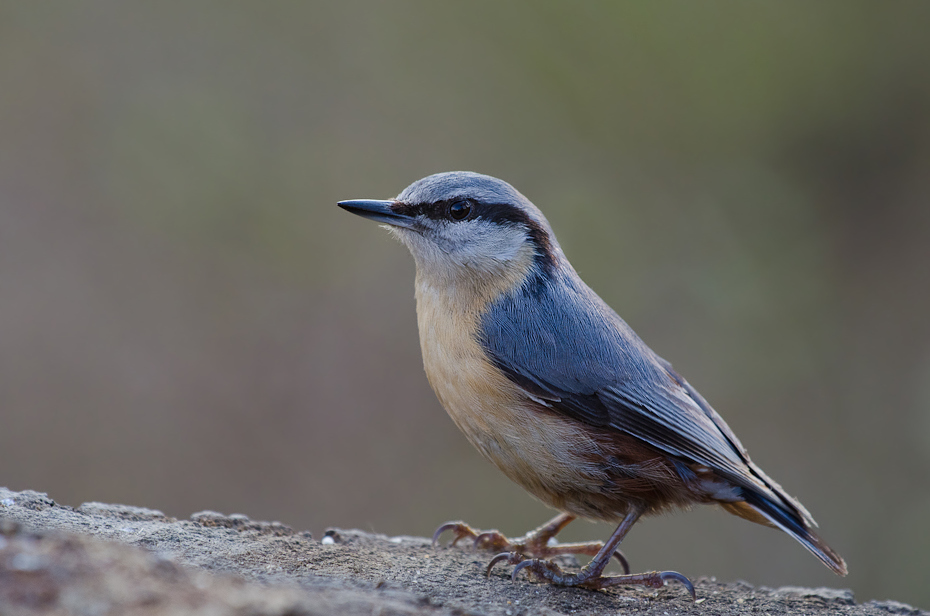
x: 567, y: 355
x: 565, y: 346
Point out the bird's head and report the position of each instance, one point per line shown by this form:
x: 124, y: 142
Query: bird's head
x: 463, y: 226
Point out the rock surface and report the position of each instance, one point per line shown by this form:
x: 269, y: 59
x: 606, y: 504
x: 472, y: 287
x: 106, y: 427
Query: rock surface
x: 100, y: 559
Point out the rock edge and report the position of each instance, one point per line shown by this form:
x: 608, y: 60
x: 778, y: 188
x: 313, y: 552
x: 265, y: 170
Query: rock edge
x: 101, y: 558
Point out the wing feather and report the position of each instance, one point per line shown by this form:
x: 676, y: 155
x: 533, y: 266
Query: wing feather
x: 562, y: 344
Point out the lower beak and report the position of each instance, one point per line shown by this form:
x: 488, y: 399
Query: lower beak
x: 379, y: 211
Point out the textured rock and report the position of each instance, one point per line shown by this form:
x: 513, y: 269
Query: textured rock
x: 100, y: 559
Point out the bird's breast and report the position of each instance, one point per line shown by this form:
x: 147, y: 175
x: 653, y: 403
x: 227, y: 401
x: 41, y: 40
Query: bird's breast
x: 546, y: 453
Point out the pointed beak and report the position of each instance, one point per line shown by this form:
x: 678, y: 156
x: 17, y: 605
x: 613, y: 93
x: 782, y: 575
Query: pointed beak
x: 379, y: 211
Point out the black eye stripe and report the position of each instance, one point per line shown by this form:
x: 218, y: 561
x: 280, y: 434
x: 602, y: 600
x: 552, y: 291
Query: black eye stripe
x: 501, y: 213
x: 439, y: 210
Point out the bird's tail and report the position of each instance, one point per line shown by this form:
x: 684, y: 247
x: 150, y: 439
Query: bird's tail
x: 787, y: 514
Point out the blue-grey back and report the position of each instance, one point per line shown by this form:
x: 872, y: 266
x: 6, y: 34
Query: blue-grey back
x: 561, y: 343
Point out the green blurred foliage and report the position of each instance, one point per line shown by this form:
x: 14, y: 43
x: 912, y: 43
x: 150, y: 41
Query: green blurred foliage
x: 188, y: 322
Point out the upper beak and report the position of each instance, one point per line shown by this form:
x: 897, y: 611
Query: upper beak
x: 379, y: 211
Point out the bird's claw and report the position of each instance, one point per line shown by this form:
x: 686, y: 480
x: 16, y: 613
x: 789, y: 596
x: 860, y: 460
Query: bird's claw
x: 460, y: 530
x: 543, y: 569
x: 535, y: 544
x: 674, y: 575
x: 512, y: 558
x: 515, y: 553
x: 548, y: 571
x: 490, y: 541
x: 623, y: 561
x: 494, y: 541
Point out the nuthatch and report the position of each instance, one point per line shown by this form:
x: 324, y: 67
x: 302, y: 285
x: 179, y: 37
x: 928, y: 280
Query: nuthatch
x: 555, y: 389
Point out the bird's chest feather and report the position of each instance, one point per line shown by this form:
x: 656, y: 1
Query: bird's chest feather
x: 540, y: 450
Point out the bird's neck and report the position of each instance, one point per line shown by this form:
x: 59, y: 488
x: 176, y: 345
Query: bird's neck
x: 458, y: 289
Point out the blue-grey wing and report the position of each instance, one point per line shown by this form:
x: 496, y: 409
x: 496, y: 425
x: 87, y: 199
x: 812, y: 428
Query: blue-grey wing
x: 565, y: 347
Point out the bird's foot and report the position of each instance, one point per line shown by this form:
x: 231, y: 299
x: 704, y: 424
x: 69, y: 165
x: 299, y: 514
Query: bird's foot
x: 490, y: 541
x: 548, y: 571
x: 460, y: 530
x: 535, y: 544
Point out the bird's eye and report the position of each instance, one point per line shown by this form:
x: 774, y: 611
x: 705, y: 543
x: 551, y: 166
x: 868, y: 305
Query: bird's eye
x: 459, y: 210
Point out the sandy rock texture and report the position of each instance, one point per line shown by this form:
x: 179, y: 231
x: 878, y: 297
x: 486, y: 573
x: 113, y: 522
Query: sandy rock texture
x: 103, y: 559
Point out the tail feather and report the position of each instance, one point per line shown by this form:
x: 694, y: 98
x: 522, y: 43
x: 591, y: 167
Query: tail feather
x: 758, y: 507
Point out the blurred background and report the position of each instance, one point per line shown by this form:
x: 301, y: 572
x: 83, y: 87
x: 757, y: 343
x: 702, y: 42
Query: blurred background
x: 188, y: 322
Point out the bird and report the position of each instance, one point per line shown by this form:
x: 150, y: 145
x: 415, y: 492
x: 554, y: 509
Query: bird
x: 555, y: 389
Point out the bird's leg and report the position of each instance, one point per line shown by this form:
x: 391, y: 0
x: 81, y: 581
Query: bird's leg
x: 534, y: 544
x: 590, y: 575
